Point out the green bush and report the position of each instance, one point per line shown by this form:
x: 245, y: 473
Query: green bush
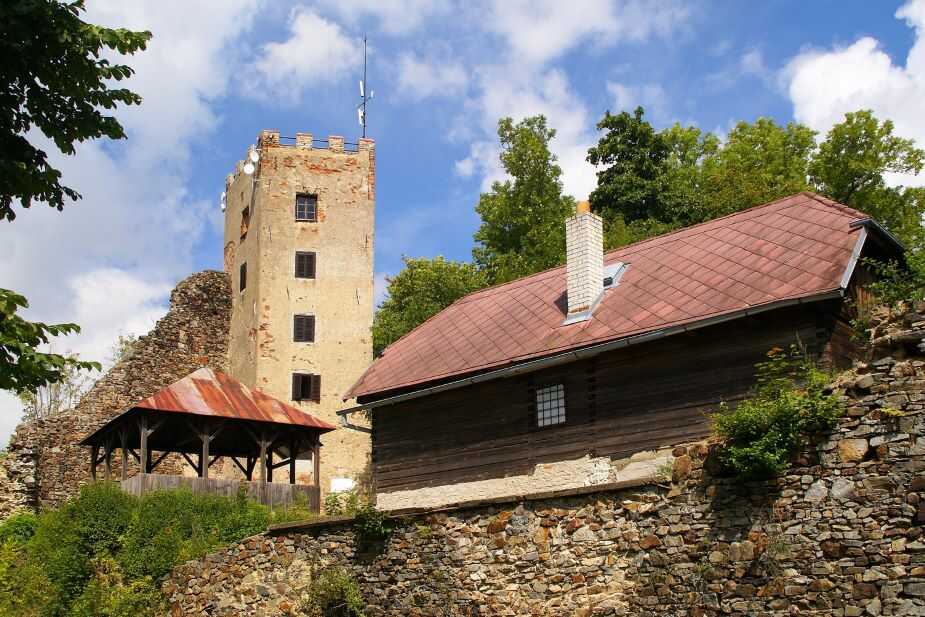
x: 763, y: 433
x: 171, y: 527
x: 333, y: 593
x: 894, y: 283
x: 19, y: 527
x: 101, y: 553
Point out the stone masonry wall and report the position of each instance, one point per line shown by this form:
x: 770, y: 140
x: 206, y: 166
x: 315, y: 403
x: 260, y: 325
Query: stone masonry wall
x: 44, y: 465
x: 841, y: 535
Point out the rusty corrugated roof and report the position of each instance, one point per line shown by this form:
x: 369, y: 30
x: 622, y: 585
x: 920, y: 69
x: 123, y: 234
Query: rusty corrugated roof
x: 796, y: 247
x: 207, y: 392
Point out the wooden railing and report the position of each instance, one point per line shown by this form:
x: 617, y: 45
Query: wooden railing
x: 273, y: 494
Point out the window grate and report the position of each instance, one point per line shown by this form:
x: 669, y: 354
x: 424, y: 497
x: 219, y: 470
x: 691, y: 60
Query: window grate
x: 306, y: 207
x: 303, y: 329
x: 304, y: 265
x: 550, y: 405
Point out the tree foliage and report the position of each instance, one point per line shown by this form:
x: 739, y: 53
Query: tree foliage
x: 522, y: 217
x: 651, y: 181
x: 55, y: 78
x: 23, y: 368
x: 423, y: 288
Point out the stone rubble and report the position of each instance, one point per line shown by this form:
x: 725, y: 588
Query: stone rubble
x: 839, y: 535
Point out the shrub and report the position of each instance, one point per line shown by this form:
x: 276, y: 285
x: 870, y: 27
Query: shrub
x: 333, y: 593
x: 763, y: 433
x: 170, y: 527
x: 343, y: 503
x: 100, y: 553
x: 895, y: 283
x: 19, y: 528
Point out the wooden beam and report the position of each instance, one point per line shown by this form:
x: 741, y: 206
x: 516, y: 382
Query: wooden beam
x: 214, y: 460
x: 235, y: 460
x: 144, y: 456
x: 189, y: 460
x: 159, y: 459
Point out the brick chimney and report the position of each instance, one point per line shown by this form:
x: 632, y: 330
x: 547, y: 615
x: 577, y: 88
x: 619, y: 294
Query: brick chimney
x: 584, y: 245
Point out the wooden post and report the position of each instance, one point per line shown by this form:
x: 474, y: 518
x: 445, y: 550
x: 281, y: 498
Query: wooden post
x: 144, y: 455
x: 94, y: 456
x: 316, y: 462
x: 263, y: 459
x: 123, y: 442
x: 108, y: 458
x: 292, y: 454
x: 206, y: 436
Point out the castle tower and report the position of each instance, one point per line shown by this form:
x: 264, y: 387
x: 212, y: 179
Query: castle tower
x: 299, y: 251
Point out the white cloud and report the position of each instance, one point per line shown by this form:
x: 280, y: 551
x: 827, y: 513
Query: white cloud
x: 108, y: 261
x: 394, y: 16
x: 317, y: 51
x: 752, y: 63
x: 651, y: 96
x: 540, y: 30
x: 824, y: 85
x: 420, y: 78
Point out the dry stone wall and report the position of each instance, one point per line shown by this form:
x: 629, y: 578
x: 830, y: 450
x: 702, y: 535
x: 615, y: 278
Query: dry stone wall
x: 44, y: 465
x: 840, y: 535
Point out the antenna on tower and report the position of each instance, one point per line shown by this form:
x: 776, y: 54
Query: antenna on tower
x: 364, y: 99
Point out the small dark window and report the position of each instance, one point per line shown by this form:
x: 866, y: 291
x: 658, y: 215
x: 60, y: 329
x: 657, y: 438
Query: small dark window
x: 306, y: 207
x: 550, y: 405
x: 242, y: 277
x: 306, y: 387
x: 245, y: 221
x: 304, y: 265
x: 303, y: 329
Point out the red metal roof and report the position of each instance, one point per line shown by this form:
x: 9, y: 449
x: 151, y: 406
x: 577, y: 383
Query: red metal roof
x: 792, y: 248
x: 207, y: 392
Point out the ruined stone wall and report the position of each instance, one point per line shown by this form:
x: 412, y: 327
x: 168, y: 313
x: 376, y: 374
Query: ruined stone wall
x: 340, y: 296
x: 44, y: 465
x: 841, y: 534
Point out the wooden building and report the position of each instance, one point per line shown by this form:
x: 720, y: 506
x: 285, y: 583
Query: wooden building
x: 612, y: 354
x: 206, y: 417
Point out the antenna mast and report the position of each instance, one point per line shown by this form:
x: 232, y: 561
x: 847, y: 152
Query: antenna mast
x: 364, y: 99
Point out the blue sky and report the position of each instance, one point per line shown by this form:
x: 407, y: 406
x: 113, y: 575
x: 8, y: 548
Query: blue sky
x: 444, y: 72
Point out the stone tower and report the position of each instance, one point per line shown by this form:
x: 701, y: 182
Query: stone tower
x: 299, y: 251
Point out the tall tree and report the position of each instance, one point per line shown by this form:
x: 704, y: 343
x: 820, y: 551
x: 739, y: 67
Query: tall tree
x: 422, y: 289
x: 522, y: 217
x: 53, y: 78
x: 759, y: 162
x: 851, y: 167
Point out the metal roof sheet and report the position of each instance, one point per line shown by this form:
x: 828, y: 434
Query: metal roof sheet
x: 793, y: 248
x: 207, y: 392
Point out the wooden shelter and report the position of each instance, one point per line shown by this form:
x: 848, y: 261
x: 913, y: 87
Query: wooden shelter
x: 205, y: 417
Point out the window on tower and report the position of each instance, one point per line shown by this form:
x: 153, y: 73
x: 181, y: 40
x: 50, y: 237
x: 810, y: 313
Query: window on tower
x: 303, y: 328
x: 242, y: 277
x: 306, y: 207
x: 245, y: 221
x: 306, y: 387
x: 304, y: 265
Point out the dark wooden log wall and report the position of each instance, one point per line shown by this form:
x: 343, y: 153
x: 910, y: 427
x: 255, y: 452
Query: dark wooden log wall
x: 641, y: 397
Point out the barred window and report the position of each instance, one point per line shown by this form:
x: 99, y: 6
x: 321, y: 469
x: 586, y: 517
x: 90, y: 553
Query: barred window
x: 306, y: 207
x: 550, y: 405
x: 303, y: 329
x: 304, y: 265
